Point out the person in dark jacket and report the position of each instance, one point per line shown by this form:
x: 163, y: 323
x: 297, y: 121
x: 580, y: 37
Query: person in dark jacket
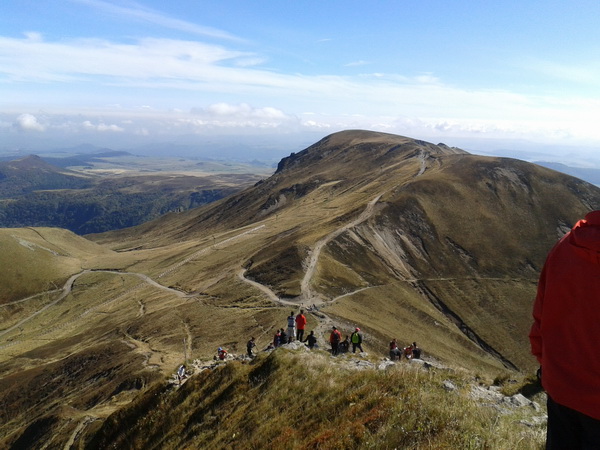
x: 249, y: 346
x: 311, y: 339
x: 283, y: 338
x: 566, y: 314
x: 395, y: 352
x: 416, y: 351
x: 344, y: 345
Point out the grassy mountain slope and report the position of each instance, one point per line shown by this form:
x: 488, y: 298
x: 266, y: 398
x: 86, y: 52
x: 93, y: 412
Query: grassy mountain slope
x: 400, y: 237
x: 37, y: 260
x: 302, y: 400
x: 460, y: 238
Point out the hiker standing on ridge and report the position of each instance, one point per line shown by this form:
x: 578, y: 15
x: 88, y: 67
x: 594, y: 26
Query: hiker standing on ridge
x: 291, y: 325
x: 181, y: 373
x: 334, y: 339
x: 566, y: 314
x: 356, y: 339
x: 300, y: 324
x: 249, y: 346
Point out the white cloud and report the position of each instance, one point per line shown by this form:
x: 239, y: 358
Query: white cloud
x: 28, y: 122
x: 33, y: 36
x: 144, y: 59
x: 89, y: 126
x: 316, y: 125
x: 225, y: 114
x: 173, y: 74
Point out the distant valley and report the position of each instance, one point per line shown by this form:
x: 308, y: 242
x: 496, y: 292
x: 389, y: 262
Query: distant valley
x: 590, y: 175
x: 107, y: 190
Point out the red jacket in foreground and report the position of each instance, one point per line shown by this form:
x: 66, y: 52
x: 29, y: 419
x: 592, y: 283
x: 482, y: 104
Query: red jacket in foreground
x: 565, y: 336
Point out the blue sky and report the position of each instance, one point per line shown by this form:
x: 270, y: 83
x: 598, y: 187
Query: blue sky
x: 123, y: 73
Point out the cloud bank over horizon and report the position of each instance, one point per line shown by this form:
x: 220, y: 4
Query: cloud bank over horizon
x: 145, y: 71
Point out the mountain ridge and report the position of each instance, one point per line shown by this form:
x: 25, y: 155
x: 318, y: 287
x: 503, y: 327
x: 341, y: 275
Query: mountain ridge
x: 401, y: 238
x: 432, y: 222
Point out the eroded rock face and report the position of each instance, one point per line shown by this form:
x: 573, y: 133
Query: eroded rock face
x: 491, y: 396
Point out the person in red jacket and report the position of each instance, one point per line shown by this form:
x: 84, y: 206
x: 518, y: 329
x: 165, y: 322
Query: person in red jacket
x: 566, y: 316
x: 300, y: 325
x: 334, y: 339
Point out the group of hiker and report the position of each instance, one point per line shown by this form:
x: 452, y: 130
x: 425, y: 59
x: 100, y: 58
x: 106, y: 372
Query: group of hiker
x: 343, y: 346
x: 411, y: 351
x: 296, y: 325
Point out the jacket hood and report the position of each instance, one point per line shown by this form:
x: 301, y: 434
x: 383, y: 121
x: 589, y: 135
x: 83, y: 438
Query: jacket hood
x: 585, y: 237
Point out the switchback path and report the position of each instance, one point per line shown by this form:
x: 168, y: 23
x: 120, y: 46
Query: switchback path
x: 305, y: 289
x: 325, y: 323
x: 306, y: 295
x: 269, y: 293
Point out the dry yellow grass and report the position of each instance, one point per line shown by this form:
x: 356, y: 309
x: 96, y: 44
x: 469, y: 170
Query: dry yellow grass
x: 309, y: 400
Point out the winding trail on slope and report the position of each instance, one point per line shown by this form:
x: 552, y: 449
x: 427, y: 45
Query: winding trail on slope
x: 305, y: 289
x: 66, y: 290
x: 306, y: 294
x: 324, y: 322
x: 68, y: 287
x: 269, y: 293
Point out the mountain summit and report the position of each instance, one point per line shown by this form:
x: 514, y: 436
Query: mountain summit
x: 365, y: 150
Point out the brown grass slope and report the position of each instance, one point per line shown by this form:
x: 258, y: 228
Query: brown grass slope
x: 459, y: 239
x: 297, y: 400
x: 35, y: 260
x: 403, y: 238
